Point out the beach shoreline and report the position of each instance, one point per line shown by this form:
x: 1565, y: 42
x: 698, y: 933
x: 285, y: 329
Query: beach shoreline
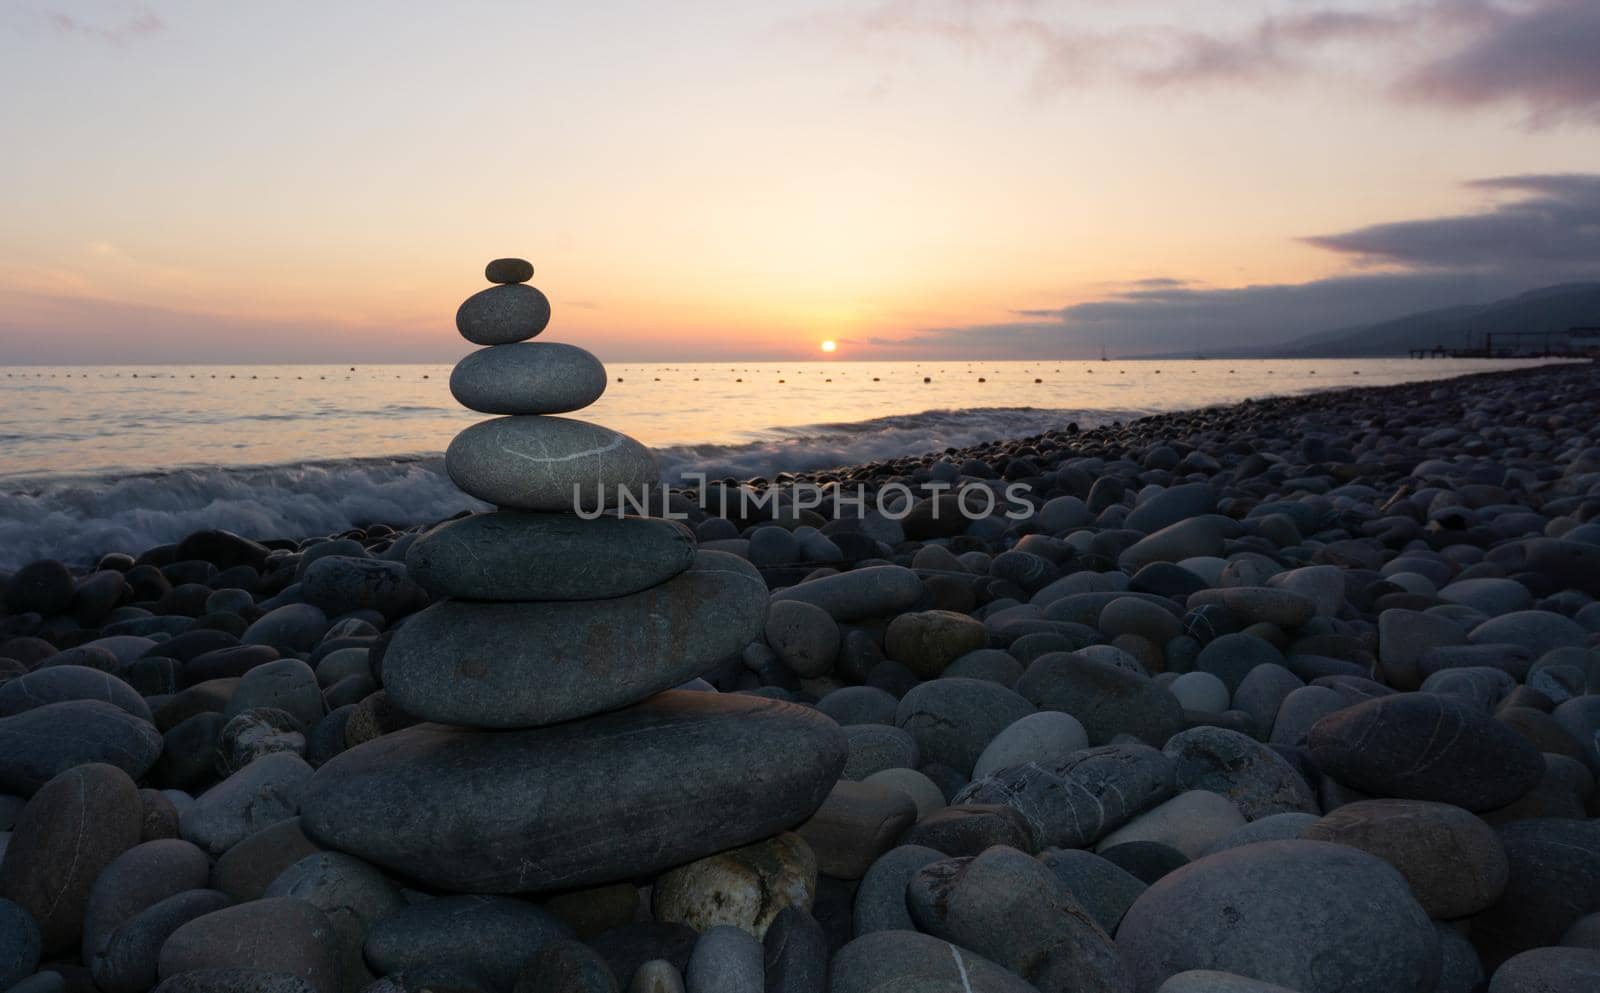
x: 1202, y: 679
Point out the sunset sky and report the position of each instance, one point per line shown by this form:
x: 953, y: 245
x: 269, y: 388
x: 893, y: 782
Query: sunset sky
x: 202, y: 181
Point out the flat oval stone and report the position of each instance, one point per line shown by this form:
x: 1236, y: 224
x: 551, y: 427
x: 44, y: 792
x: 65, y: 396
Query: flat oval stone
x: 39, y: 743
x: 508, y: 271
x: 528, y: 378
x: 518, y: 665
x: 516, y: 555
x: 57, y: 683
x: 903, y: 961
x: 548, y: 463
x: 503, y: 314
x: 678, y: 777
x: 1309, y: 915
x: 1420, y: 746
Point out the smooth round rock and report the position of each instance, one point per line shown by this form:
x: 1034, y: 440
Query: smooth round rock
x: 1105, y: 699
x: 726, y: 960
x: 953, y: 720
x: 745, y: 887
x: 1258, y: 780
x: 855, y: 824
x: 501, y: 315
x: 508, y: 271
x: 1047, y: 737
x: 549, y: 463
x: 860, y: 593
x: 880, y: 899
x: 515, y: 556
x: 281, y: 935
x: 1078, y: 801
x: 70, y: 830
x: 1549, y: 970
x: 493, y: 935
x: 1554, y: 879
x: 20, y: 943
x: 979, y: 902
x: 261, y: 794
x: 628, y: 793
x: 1190, y: 823
x: 876, y: 747
x: 804, y: 637
x: 911, y: 962
x: 354, y: 896
x: 566, y: 966
x: 928, y: 641
x: 1307, y: 915
x: 1418, y: 746
x: 528, y: 378
x: 1201, y: 692
x: 138, y: 878
x: 43, y: 742
x: 58, y: 683
x: 1454, y: 862
x: 1103, y: 888
x: 520, y: 665
x: 130, y: 960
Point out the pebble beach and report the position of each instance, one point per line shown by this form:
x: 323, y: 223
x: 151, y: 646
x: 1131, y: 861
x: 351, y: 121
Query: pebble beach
x: 1300, y: 694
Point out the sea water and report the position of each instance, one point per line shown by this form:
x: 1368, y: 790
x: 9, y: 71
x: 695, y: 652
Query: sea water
x: 120, y: 458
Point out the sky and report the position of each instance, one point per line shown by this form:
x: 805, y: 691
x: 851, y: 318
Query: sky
x: 917, y: 179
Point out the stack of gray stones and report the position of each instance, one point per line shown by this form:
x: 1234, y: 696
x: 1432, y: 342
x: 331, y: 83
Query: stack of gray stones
x: 559, y: 753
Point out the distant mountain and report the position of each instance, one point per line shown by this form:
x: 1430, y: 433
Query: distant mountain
x: 1551, y: 309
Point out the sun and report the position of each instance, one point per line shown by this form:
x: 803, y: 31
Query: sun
x: 830, y: 345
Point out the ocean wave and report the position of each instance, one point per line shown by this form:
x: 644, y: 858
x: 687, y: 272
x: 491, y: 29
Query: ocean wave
x: 78, y: 520
x: 828, y: 445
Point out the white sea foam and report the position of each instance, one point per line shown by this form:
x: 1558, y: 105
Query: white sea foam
x: 78, y: 520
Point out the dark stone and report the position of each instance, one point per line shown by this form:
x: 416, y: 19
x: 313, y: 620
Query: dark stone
x: 1453, y: 861
x: 1105, y: 699
x: 795, y: 953
x: 503, y: 314
x: 1554, y: 879
x: 400, y: 800
x: 529, y: 664
x: 953, y: 720
x: 1146, y: 861
x: 628, y: 947
x: 71, y: 830
x: 1307, y: 915
x: 508, y: 271
x: 516, y: 556
x: 1091, y: 794
x: 43, y: 587
x: 40, y: 743
x: 281, y: 935
x: 967, y: 829
x: 1419, y: 746
x: 979, y: 903
x: 495, y: 935
x: 886, y: 961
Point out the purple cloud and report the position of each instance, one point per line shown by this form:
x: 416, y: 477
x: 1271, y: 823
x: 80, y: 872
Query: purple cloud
x: 1546, y: 59
x: 1557, y: 222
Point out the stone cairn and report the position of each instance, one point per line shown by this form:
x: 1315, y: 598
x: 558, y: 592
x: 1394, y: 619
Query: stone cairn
x: 558, y: 754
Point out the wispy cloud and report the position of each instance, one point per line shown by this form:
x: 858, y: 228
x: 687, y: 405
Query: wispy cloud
x: 1545, y: 58
x: 135, y: 23
x: 1537, y: 54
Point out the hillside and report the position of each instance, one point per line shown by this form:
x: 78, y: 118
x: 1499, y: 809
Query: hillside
x: 1553, y: 309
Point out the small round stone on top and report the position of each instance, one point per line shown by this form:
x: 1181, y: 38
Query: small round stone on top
x: 508, y: 271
